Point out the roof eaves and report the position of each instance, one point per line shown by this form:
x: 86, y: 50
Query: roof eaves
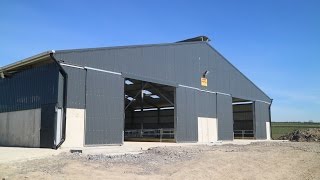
x: 238, y: 70
x: 26, y: 61
x: 127, y: 47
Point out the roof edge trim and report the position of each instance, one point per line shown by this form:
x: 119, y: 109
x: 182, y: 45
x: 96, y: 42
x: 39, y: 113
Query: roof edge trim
x: 238, y: 70
x: 196, y: 39
x: 126, y: 47
x: 26, y: 61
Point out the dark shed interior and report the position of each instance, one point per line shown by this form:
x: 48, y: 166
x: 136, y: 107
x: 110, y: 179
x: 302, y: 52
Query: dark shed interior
x: 149, y: 111
x: 243, y: 119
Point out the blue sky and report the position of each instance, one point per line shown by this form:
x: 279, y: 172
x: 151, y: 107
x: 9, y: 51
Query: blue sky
x: 276, y: 43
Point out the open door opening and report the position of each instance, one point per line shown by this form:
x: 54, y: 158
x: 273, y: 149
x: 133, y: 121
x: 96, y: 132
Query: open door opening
x: 243, y: 119
x: 149, y: 111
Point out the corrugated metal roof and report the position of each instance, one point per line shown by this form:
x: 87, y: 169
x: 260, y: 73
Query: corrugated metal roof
x: 39, y: 57
x: 26, y: 62
x: 126, y: 47
x: 42, y: 56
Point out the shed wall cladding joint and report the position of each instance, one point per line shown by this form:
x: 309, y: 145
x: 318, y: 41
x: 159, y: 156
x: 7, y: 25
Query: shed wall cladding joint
x: 144, y: 92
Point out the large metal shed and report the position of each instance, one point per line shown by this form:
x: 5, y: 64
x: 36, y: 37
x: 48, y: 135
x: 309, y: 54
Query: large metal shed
x: 184, y: 91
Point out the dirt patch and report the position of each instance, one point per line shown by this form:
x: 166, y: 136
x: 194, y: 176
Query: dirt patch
x: 307, y: 135
x: 268, y: 160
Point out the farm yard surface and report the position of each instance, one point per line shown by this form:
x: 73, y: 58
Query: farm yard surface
x: 258, y: 160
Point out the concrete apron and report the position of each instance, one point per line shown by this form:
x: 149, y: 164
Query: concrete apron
x: 19, y: 154
x: 15, y: 154
x: 139, y: 147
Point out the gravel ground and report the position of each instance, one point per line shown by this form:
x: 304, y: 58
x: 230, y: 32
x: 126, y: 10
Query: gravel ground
x: 149, y: 160
x: 302, y: 146
x: 161, y: 162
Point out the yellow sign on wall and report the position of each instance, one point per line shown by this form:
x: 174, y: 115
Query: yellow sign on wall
x: 204, y: 82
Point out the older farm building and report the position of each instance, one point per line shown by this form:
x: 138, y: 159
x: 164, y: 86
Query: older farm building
x: 180, y: 92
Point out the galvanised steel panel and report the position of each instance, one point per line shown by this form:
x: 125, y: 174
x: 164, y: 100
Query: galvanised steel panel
x: 180, y: 63
x: 223, y: 76
x: 206, y: 104
x: 60, y: 90
x: 129, y: 60
x: 231, y: 80
x: 104, y: 108
x: 76, y: 87
x: 29, y: 89
x: 186, y: 65
x: 177, y: 63
x: 140, y: 61
x: 262, y: 115
x: 162, y: 56
x: 187, y: 120
x: 225, y: 117
x: 103, y: 59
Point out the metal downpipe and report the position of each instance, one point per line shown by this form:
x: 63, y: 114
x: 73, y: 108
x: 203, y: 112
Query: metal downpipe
x: 65, y: 83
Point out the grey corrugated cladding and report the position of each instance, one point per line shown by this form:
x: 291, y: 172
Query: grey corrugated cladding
x: 60, y: 90
x: 206, y: 104
x: 186, y: 122
x: 37, y: 87
x: 76, y: 87
x: 262, y: 116
x: 181, y: 63
x: 105, y: 108
x: 225, y: 117
x: 175, y: 63
x: 29, y: 89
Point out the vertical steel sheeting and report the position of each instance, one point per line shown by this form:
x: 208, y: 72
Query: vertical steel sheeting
x: 105, y: 108
x: 186, y: 125
x: 76, y: 87
x: 225, y: 117
x: 29, y: 89
x: 179, y: 63
x: 261, y: 117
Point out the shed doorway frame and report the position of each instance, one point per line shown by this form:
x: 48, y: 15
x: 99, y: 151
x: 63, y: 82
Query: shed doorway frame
x: 241, y: 115
x: 159, y: 90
